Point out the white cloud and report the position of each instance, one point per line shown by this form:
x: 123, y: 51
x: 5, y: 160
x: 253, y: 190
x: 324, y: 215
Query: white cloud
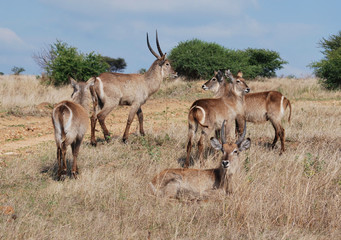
x: 9, y: 38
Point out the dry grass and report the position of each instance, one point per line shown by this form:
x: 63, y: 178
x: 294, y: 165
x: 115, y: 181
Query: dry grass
x: 293, y: 196
x: 23, y: 93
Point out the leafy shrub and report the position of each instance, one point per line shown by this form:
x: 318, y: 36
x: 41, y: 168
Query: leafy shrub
x: 329, y: 68
x: 61, y: 61
x: 115, y: 64
x: 17, y: 70
x: 262, y: 63
x: 198, y: 59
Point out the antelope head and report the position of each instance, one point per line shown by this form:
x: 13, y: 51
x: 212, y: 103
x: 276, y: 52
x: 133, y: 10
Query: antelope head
x: 81, y: 93
x: 238, y: 82
x: 230, y: 150
x: 214, y: 83
x: 166, y: 68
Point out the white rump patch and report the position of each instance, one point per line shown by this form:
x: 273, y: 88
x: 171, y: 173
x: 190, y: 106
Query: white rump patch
x: 101, y: 91
x: 58, y: 130
x: 69, y: 122
x: 202, y: 121
x: 282, y: 107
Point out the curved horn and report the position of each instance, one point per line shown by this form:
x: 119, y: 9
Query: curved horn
x: 151, y: 50
x: 158, y: 45
x: 241, y: 138
x: 222, y: 133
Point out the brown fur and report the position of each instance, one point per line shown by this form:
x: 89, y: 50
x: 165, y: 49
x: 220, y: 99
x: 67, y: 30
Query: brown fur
x: 70, y: 122
x: 198, y: 184
x: 113, y: 89
x: 259, y: 107
x: 209, y: 113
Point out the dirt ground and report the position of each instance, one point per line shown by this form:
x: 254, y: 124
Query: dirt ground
x: 19, y: 135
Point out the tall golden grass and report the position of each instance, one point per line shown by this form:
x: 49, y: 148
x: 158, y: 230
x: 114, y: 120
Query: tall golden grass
x: 22, y: 93
x: 293, y: 196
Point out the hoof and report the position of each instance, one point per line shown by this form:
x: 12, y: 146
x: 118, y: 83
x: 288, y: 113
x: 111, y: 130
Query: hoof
x: 125, y: 141
x: 74, y: 175
x: 107, y: 138
x: 94, y: 144
x: 61, y: 177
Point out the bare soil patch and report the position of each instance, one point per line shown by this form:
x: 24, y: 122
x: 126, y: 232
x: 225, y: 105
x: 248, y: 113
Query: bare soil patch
x: 18, y: 132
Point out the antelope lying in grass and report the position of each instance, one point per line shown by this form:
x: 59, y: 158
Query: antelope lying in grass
x: 70, y: 122
x: 259, y: 107
x: 209, y: 113
x: 113, y: 89
x: 198, y: 184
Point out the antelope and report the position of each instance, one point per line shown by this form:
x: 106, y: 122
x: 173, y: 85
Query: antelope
x: 112, y: 89
x: 196, y: 183
x: 259, y: 107
x: 70, y: 122
x: 209, y: 113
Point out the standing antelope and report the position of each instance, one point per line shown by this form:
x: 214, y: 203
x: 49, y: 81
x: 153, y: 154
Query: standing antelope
x: 70, y: 122
x: 112, y: 89
x: 209, y: 113
x: 259, y: 107
x: 197, y: 183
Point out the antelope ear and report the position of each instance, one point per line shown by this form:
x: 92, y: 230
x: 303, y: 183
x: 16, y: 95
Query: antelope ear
x: 229, y: 75
x: 216, y: 144
x: 162, y: 60
x: 91, y: 82
x: 245, y: 144
x: 72, y: 81
x: 240, y: 74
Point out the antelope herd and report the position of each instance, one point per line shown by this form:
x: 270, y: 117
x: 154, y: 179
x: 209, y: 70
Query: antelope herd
x: 231, y: 104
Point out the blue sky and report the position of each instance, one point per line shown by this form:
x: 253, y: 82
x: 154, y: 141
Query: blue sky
x: 118, y: 28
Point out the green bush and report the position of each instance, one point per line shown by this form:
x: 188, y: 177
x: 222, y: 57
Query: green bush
x: 61, y: 61
x: 17, y: 70
x: 115, y: 64
x: 329, y: 68
x: 198, y: 59
x: 262, y: 63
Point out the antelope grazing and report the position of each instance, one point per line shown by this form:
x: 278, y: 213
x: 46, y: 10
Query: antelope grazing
x: 259, y: 107
x: 209, y: 113
x: 112, y: 89
x: 196, y: 183
x: 70, y: 122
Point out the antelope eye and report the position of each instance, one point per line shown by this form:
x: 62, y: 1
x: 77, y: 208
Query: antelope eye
x: 235, y: 151
x: 238, y: 81
x: 213, y: 79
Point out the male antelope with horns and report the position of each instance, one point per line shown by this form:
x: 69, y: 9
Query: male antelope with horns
x: 113, y: 89
x: 198, y: 184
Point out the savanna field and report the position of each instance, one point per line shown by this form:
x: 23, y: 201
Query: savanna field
x: 296, y: 195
